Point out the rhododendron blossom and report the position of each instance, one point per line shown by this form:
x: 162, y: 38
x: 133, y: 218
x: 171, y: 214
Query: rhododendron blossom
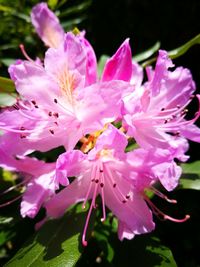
x: 62, y: 102
x: 55, y: 100
x: 119, y: 178
x: 160, y: 107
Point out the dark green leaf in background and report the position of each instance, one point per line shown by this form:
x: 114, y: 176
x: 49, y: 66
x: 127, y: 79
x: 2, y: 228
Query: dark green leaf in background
x: 57, y: 243
x: 6, y: 85
x: 191, y: 176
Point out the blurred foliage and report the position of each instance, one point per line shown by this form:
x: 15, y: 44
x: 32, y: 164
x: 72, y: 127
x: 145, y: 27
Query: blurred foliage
x: 16, y: 27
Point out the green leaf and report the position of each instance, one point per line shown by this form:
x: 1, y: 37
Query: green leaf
x: 184, y: 48
x: 76, y: 9
x: 193, y: 167
x: 148, y: 53
x: 145, y: 251
x: 101, y: 64
x: 190, y: 183
x: 7, y: 61
x: 7, y: 100
x: 52, y: 3
x: 177, y: 52
x: 6, y: 85
x: 57, y: 243
x: 5, y: 236
x: 5, y: 220
x: 191, y: 176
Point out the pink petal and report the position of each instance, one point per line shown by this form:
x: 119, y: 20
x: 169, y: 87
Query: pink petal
x: 135, y: 212
x: 33, y: 83
x: 124, y: 232
x: 119, y: 66
x: 192, y: 132
x: 69, y: 164
x: 70, y: 56
x: 91, y: 66
x: 47, y: 25
x: 36, y: 193
x: 162, y: 64
x: 73, y: 193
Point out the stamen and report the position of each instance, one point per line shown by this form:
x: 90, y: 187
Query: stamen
x: 14, y: 187
x: 102, y: 193
x: 117, y: 192
x: 161, y: 195
x: 162, y: 215
x: 84, y: 242
x: 90, y: 186
x: 187, y: 217
x: 21, y: 46
x: 63, y: 107
x: 10, y: 201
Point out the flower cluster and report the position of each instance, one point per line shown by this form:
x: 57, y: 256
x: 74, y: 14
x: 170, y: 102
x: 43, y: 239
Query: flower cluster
x: 63, y: 102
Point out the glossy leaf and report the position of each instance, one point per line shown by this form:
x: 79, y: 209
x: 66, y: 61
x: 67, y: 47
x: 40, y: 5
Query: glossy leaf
x: 7, y: 100
x: 57, y: 243
x: 191, y: 176
x: 189, y: 183
x: 193, y: 167
x: 146, y: 251
x: 6, y: 85
x: 184, y: 48
x: 177, y: 52
x: 148, y: 53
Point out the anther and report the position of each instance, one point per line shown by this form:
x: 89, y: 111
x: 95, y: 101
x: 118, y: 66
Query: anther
x: 55, y: 101
x: 123, y: 201
x: 33, y: 102
x: 114, y: 185
x: 56, y: 114
x: 96, y: 181
x: 22, y: 128
x: 101, y: 170
x: 50, y: 113
x: 101, y: 184
x: 51, y: 131
x: 127, y: 196
x: 36, y: 106
x: 15, y: 106
x: 162, y: 109
x: 22, y: 136
x: 177, y: 133
x: 178, y: 106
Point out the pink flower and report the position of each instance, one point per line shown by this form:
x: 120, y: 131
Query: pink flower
x: 52, y: 34
x: 103, y: 171
x: 154, y: 114
x: 56, y: 106
x: 38, y: 178
x: 119, y: 178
